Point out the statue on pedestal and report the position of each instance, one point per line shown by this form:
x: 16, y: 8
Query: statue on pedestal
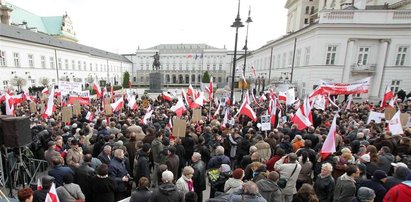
x: 156, y: 62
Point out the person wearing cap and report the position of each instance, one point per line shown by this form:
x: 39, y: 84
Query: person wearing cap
x: 269, y: 189
x: 400, y: 192
x: 167, y: 191
x: 50, y: 152
x: 235, y: 182
x: 74, y: 155
x: 401, y: 172
x: 289, y: 168
x: 376, y: 184
x: 40, y: 195
x: 345, y: 187
x: 142, y: 163
x: 218, y: 185
x: 364, y: 194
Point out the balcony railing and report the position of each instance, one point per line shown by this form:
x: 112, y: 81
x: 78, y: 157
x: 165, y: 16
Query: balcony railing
x: 369, y: 68
x: 365, y: 16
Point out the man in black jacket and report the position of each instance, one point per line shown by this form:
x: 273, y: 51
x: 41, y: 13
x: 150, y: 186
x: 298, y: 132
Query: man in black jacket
x: 142, y: 163
x: 167, y: 191
x: 199, y: 177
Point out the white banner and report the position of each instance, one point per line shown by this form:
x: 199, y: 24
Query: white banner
x: 376, y: 116
x: 65, y: 86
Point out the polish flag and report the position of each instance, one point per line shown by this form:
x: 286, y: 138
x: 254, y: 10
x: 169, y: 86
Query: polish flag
x: 186, y: 99
x: 226, y: 118
x: 329, y: 143
x: 246, y: 110
x: 52, y: 195
x: 394, y: 125
x: 132, y: 102
x: 392, y: 102
x: 272, y: 110
x: 170, y: 123
x: 218, y: 110
x: 118, y: 105
x: 9, y: 105
x: 253, y: 69
x: 198, y: 102
x: 349, y: 103
x: 104, y: 92
x: 39, y: 186
x: 45, y: 91
x: 388, y: 95
x: 147, y: 116
x: 300, y: 119
x: 26, y: 96
x: 179, y: 108
x: 319, y: 102
x: 50, y: 104
x: 282, y: 96
x: 307, y: 109
x: 97, y: 88
x: 167, y: 97
x: 190, y: 90
x: 90, y: 116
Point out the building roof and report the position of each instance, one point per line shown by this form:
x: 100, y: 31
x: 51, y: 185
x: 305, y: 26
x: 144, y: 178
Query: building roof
x: 17, y: 33
x: 188, y: 47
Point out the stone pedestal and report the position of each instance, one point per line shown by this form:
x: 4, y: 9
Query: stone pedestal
x: 156, y: 82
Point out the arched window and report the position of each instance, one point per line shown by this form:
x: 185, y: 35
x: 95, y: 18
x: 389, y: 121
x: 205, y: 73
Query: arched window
x: 312, y: 10
x: 307, y: 10
x: 174, y: 79
x: 180, y: 79
x: 187, y: 78
x: 193, y: 78
x: 168, y: 78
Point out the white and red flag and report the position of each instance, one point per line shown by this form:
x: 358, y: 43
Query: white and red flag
x: 167, y: 96
x: 198, y: 102
x: 45, y: 91
x: 52, y: 195
x: 83, y: 97
x: 394, y: 125
x: 179, y: 108
x: 226, y: 117
x: 388, y: 95
x: 290, y: 93
x: 349, y: 102
x: 28, y: 97
x: 190, y: 90
x: 132, y: 104
x: 147, y: 116
x: 170, y: 123
x: 48, y: 111
x: 90, y: 116
x: 246, y: 110
x: 272, y: 110
x: 118, y: 105
x: 329, y: 146
x: 39, y: 185
x: 9, y: 105
x: 253, y: 70
x: 319, y: 102
x: 97, y: 88
x: 282, y: 96
x: 300, y: 119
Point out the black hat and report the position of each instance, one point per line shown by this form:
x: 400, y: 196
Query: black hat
x: 47, y: 180
x: 379, y: 175
x: 146, y: 147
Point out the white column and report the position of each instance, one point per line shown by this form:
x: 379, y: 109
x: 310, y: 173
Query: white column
x: 382, y: 54
x: 348, y: 61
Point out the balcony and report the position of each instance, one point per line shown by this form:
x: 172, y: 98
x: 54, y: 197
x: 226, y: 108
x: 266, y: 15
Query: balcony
x: 365, y: 16
x: 369, y: 68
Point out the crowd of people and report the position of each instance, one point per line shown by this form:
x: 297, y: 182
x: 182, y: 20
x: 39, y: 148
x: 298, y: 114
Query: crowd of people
x: 114, y: 157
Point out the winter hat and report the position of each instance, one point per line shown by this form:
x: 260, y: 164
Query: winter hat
x: 401, y: 172
x: 399, y: 164
x: 146, y: 147
x: 379, y: 175
x: 238, y: 173
x: 365, y: 194
x: 225, y: 168
x: 366, y: 158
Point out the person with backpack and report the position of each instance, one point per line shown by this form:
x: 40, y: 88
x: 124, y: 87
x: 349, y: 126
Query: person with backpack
x: 269, y: 189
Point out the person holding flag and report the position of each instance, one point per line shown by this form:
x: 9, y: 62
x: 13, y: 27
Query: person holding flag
x: 46, y: 192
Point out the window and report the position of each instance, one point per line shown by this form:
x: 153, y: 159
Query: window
x: 307, y: 10
x: 31, y: 60
x: 219, y: 79
x: 214, y: 66
x: 73, y: 65
x: 43, y: 61
x: 307, y: 56
x: 66, y: 64
x: 79, y: 65
x: 331, y: 52
x: 284, y: 58
x: 59, y: 63
x: 305, y: 20
x: 298, y: 58
x: 362, y: 56
x: 312, y: 10
x: 2, y: 58
x: 16, y: 57
x: 278, y: 60
x: 208, y: 67
x: 290, y: 58
x: 401, y: 55
x: 51, y: 62
x: 91, y: 67
x: 84, y: 65
x: 395, y: 85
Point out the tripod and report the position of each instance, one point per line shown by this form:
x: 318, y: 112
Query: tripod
x: 19, y: 173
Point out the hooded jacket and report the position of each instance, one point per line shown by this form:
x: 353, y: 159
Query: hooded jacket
x: 344, y: 188
x: 400, y: 192
x: 232, y: 185
x: 269, y: 190
x: 167, y: 193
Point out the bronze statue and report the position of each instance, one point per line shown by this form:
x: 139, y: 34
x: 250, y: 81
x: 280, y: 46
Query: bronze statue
x: 156, y: 62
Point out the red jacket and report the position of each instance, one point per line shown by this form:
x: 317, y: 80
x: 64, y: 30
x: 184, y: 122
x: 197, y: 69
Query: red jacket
x: 400, y: 192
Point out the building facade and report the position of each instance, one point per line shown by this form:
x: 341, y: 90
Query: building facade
x: 36, y: 54
x: 182, y: 64
x: 339, y: 43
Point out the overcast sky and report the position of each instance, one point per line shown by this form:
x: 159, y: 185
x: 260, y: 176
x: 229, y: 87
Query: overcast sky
x: 121, y: 26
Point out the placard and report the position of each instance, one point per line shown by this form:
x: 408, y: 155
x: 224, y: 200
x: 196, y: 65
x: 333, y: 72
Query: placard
x: 66, y: 86
x: 376, y: 116
x: 42, y: 107
x: 107, y: 107
x: 404, y: 118
x: 67, y: 113
x: 389, y: 113
x: 76, y: 108
x: 196, y: 115
x: 179, y: 127
x: 265, y: 123
x: 145, y: 103
x: 33, y: 107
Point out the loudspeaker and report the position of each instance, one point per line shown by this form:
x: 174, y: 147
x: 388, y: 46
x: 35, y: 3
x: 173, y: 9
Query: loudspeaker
x: 1, y: 129
x: 16, y: 131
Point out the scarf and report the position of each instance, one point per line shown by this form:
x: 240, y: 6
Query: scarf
x: 190, y: 183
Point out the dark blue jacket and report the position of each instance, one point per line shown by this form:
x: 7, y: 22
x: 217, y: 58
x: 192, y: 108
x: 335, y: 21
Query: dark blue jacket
x: 117, y: 170
x: 375, y: 185
x: 216, y: 161
x: 58, y: 173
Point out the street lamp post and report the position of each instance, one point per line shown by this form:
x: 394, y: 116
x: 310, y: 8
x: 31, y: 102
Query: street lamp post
x: 237, y: 24
x: 245, y: 47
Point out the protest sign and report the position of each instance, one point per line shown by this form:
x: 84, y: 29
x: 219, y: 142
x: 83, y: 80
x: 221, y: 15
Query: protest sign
x: 179, y: 127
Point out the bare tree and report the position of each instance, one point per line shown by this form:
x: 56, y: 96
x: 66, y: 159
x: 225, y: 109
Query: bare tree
x: 18, y: 81
x: 44, y: 81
